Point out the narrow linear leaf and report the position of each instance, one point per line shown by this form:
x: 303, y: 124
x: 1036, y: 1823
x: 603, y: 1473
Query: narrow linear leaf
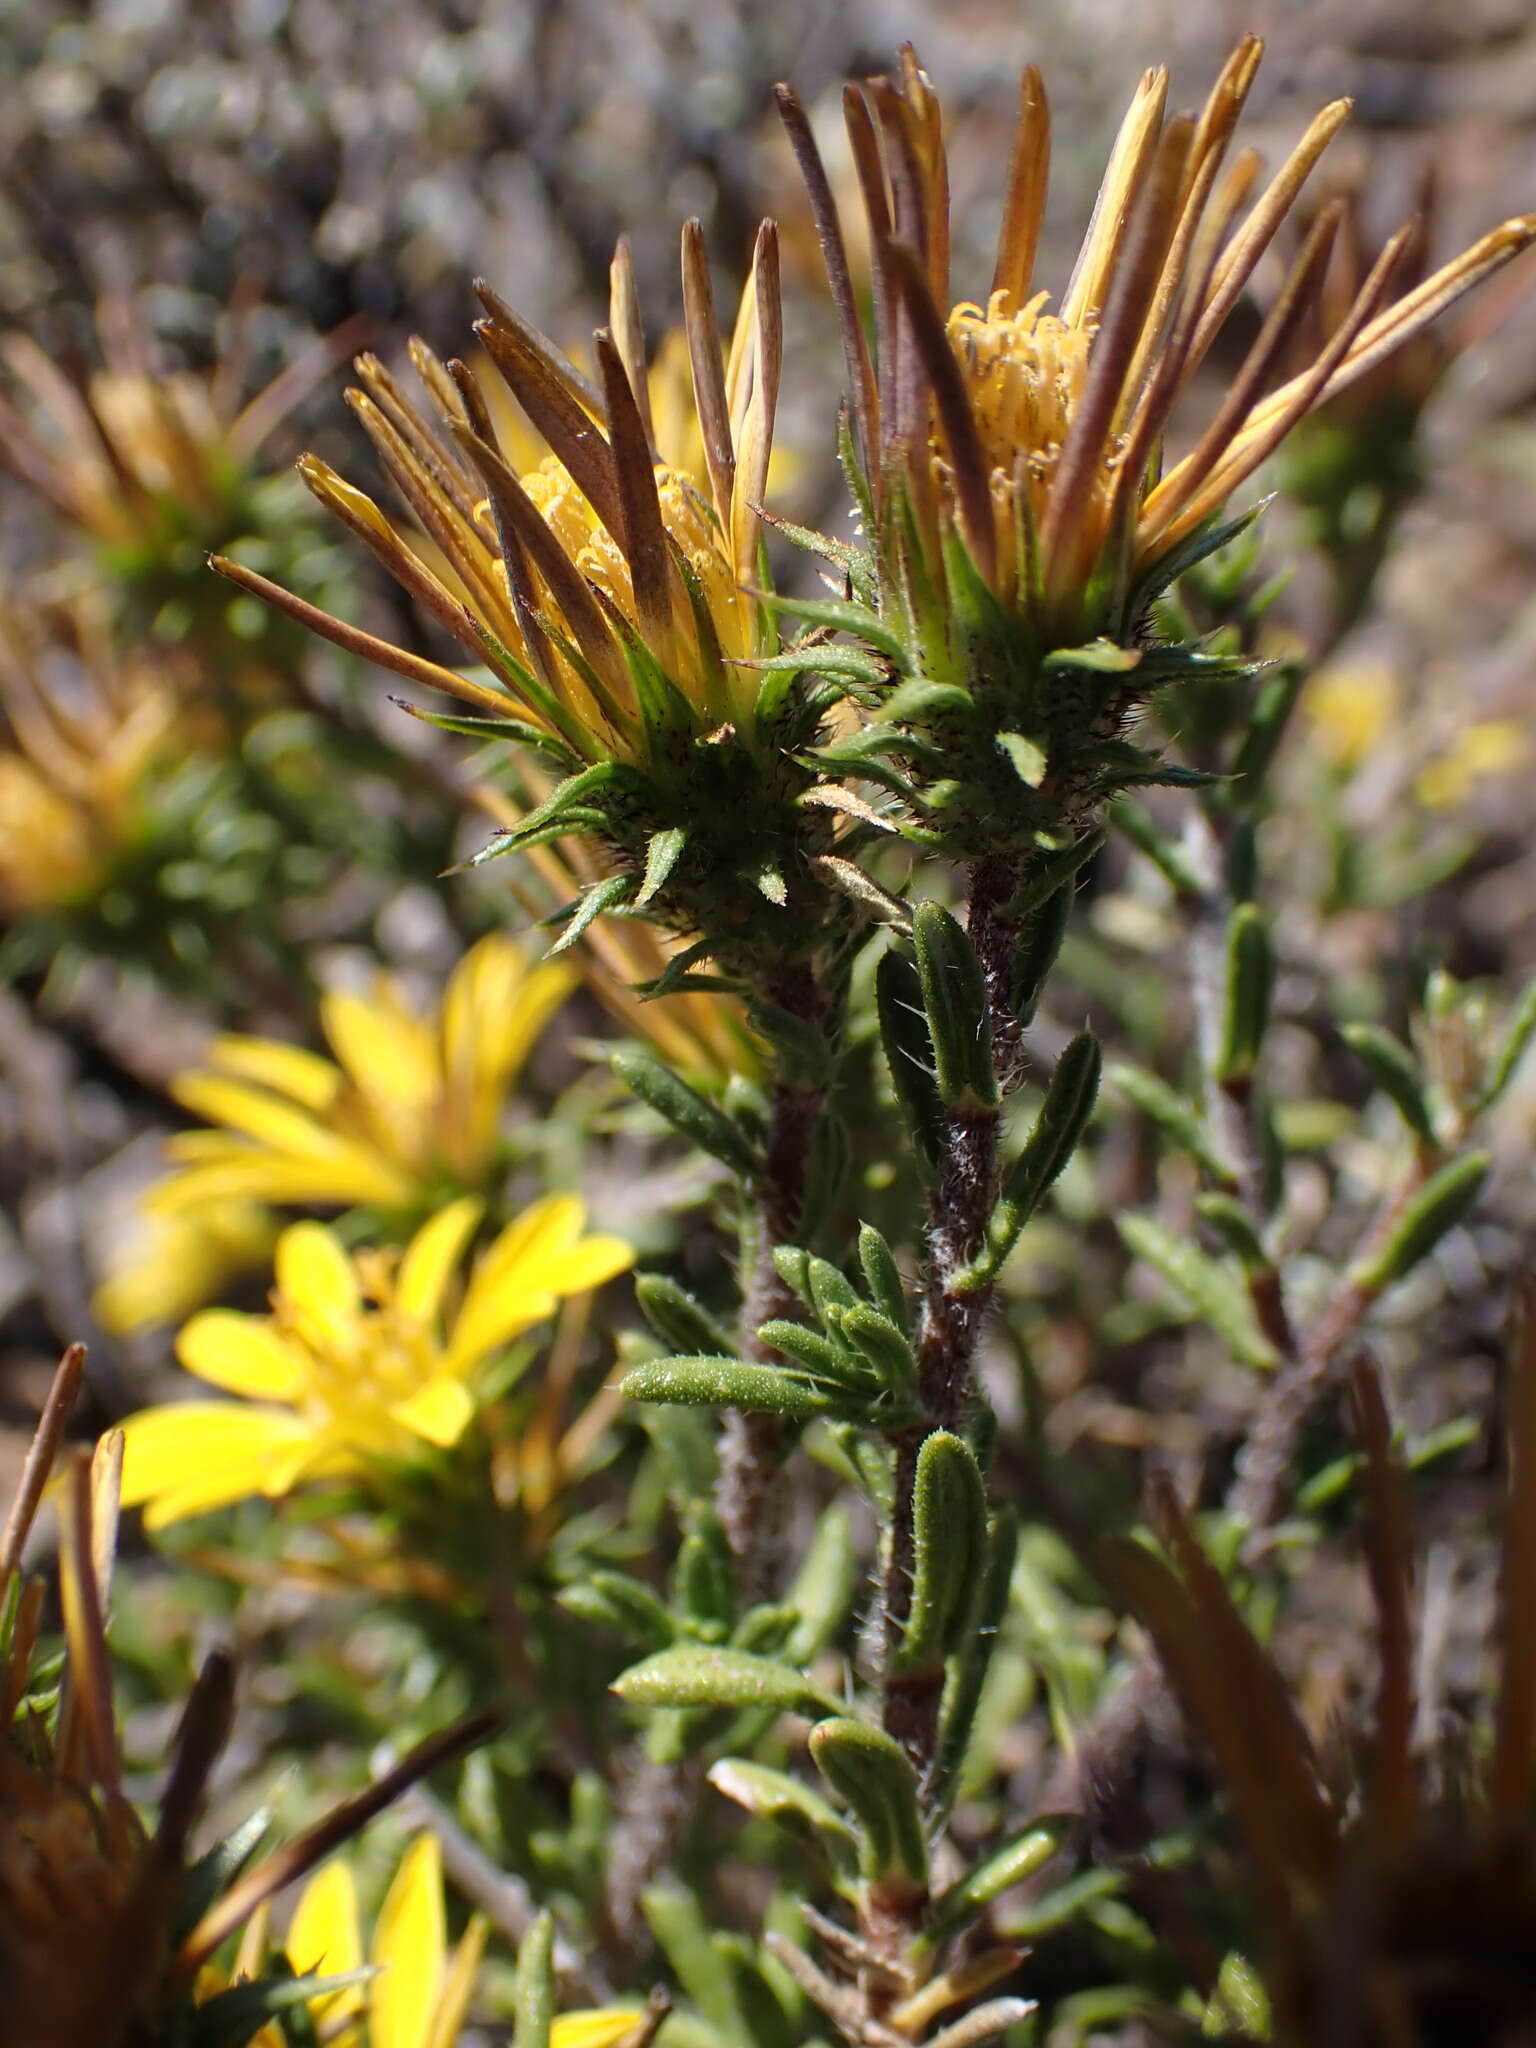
x: 689, y: 1676
x: 661, y: 857
x: 870, y: 1773
x: 1051, y: 1142
x: 726, y: 1383
x: 1396, y: 1073
x: 1211, y: 1290
x: 1445, y: 1199
x: 1517, y: 1036
x: 685, y: 1109
x: 955, y: 1002
x: 1176, y: 1117
x: 1249, y: 991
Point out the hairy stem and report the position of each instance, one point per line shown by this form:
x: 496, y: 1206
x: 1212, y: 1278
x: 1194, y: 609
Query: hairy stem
x: 752, y: 1446
x: 952, y: 1313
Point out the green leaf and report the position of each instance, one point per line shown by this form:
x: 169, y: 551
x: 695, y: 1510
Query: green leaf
x: 839, y: 615
x: 1396, y: 1072
x: 888, y: 1353
x: 955, y: 1004
x: 1137, y: 824
x: 1250, y: 986
x: 830, y: 1287
x: 973, y: 1660
x: 882, y: 1276
x: 1236, y: 1228
x: 698, y: 1961
x: 616, y: 1601
x: 870, y: 1773
x: 727, y: 1383
x: 685, y: 1109
x: 212, y: 1873
x: 1025, y: 756
x: 824, y: 1587
x: 607, y: 894
x: 827, y: 658
x: 232, y: 2018
x: 1208, y: 1288
x: 1101, y: 656
x: 1178, y: 1119
x: 677, y: 1318
x: 533, y: 1989
x: 1048, y: 872
x: 1039, y: 944
x: 1021, y: 1857
x: 909, y: 1056
x: 1205, y: 540
x: 1240, y: 2003
x: 1444, y: 1200
x: 704, y: 1579
x: 920, y: 701
x: 776, y: 1796
x: 601, y: 776
x: 1265, y: 729
x: 949, y: 1539
x: 1052, y: 1140
x: 661, y: 857
x: 697, y: 1676
x: 821, y: 1358
x: 1517, y: 1036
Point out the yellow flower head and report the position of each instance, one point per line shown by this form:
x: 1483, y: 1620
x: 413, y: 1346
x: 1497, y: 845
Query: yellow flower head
x: 361, y: 1359
x: 137, y: 454
x: 1352, y: 705
x: 1033, y: 426
x: 80, y: 732
x: 407, y: 1104
x: 178, y: 1259
x: 1493, y: 746
x: 611, y: 572
x: 422, y: 1989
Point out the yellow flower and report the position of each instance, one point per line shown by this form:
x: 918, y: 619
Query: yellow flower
x: 92, y: 1902
x: 406, y: 1103
x: 180, y: 1258
x: 421, y: 1992
x: 1352, y: 705
x: 622, y: 553
x: 137, y: 451
x: 80, y: 730
x: 1036, y: 433
x: 359, y: 1360
x: 1495, y: 746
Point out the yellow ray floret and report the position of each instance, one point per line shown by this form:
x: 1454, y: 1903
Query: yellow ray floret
x: 406, y: 1101
x: 421, y: 1991
x: 364, y: 1357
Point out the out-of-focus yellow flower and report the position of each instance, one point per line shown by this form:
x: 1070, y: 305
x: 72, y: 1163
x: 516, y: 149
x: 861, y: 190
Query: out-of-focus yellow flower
x: 407, y: 1105
x: 93, y: 1903
x: 179, y: 1259
x: 421, y: 1992
x: 1036, y: 435
x: 1352, y: 706
x: 138, y: 453
x: 80, y: 731
x: 361, y: 1359
x: 1496, y: 746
